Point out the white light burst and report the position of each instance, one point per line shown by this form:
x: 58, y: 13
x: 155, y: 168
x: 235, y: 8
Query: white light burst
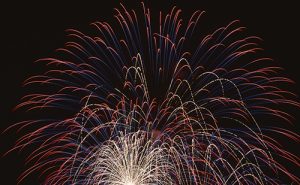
x: 130, y: 160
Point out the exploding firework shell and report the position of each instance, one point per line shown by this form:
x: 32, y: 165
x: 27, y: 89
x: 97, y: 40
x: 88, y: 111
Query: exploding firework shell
x: 160, y: 114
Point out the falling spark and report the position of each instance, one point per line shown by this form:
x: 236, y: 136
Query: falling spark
x: 147, y: 107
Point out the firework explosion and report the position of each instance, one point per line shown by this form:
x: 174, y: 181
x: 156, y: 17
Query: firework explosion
x: 146, y: 106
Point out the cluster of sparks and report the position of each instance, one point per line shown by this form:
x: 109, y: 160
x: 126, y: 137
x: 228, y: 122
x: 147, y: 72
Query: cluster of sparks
x: 146, y: 108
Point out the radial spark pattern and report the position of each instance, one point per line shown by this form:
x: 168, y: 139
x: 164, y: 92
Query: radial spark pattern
x: 158, y: 102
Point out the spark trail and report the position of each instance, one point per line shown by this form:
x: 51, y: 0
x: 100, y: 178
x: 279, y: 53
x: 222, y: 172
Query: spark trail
x: 148, y: 107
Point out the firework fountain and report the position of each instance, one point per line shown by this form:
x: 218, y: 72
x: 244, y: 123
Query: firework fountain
x: 146, y: 106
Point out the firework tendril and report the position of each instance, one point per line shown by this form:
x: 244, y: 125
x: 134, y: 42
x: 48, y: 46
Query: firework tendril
x: 154, y: 101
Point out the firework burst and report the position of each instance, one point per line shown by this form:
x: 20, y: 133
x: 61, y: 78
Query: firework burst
x: 146, y: 106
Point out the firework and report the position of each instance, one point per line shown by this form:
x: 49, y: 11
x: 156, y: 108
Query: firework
x: 147, y: 107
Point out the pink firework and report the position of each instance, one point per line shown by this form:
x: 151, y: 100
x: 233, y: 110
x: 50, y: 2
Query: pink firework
x: 157, y: 102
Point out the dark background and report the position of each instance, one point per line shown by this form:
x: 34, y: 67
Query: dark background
x: 30, y: 31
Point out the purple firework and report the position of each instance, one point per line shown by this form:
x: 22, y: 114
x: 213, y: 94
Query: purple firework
x: 158, y: 103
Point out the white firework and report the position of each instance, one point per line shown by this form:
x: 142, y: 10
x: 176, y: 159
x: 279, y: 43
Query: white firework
x: 131, y: 159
